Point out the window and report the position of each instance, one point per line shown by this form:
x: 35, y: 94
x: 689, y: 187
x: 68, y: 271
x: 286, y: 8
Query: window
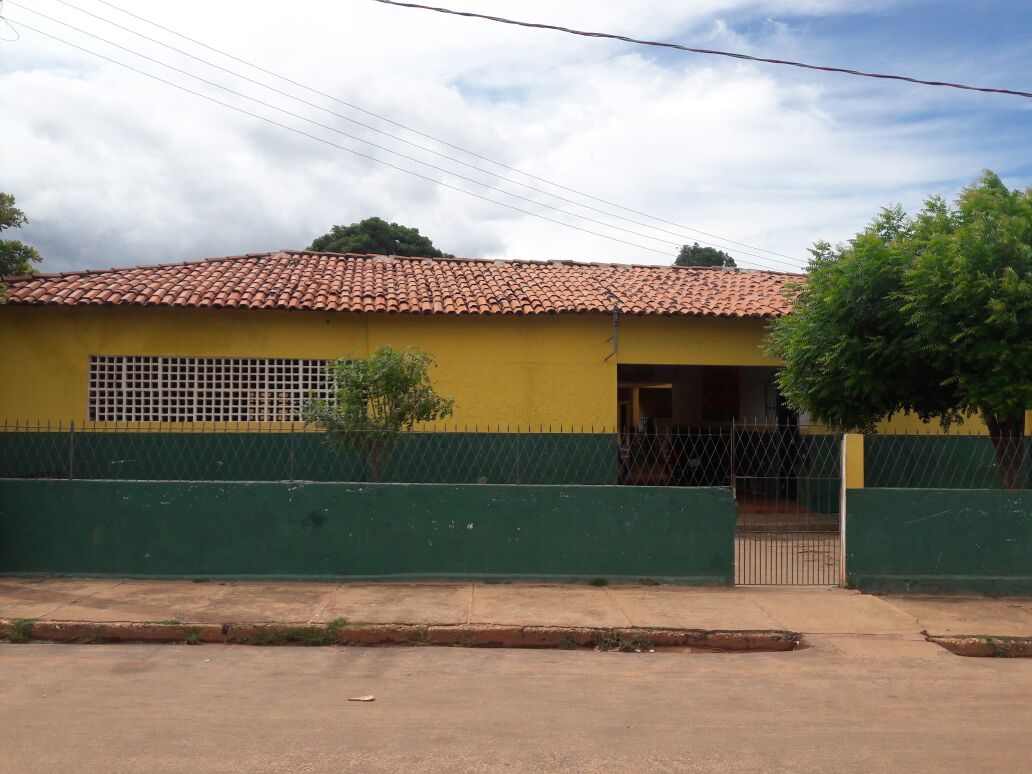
x: 129, y: 388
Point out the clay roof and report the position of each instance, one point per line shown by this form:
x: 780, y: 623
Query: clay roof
x: 304, y: 280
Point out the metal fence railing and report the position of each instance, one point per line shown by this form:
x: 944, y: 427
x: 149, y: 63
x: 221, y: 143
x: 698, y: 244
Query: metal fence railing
x: 281, y: 452
x: 936, y: 461
x: 759, y: 460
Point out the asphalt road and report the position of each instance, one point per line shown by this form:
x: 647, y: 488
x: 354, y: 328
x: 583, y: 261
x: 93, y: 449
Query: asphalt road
x: 864, y: 704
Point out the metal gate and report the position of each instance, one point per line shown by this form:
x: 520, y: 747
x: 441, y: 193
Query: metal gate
x: 787, y: 482
x: 785, y: 477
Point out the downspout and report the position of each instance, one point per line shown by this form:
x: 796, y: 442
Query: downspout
x: 615, y: 338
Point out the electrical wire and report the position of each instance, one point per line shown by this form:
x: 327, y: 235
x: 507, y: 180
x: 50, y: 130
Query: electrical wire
x: 375, y: 145
x: 790, y: 262
x: 333, y: 129
x: 17, y: 36
x: 709, y: 51
x: 324, y: 141
x: 445, y: 143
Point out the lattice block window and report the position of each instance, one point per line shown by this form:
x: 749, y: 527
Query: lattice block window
x: 129, y: 388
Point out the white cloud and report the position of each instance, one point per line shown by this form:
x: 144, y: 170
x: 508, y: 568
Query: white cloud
x: 114, y: 168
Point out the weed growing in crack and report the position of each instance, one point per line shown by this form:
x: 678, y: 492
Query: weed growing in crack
x: 567, y: 642
x: 616, y: 642
x: 292, y: 635
x: 419, y: 636
x: 21, y: 630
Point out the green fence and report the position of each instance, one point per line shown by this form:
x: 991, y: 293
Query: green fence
x: 938, y: 462
x: 939, y: 541
x: 424, y: 457
x: 374, y: 531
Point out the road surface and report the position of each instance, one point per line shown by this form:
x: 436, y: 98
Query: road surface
x: 848, y: 704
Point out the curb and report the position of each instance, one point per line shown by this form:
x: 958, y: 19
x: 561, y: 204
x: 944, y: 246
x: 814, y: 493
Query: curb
x: 472, y: 636
x: 984, y: 646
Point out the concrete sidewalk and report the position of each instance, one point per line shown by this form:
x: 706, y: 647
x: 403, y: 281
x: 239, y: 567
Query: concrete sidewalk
x: 807, y: 610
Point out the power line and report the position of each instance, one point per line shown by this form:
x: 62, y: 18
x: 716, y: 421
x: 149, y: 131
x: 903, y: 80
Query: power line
x: 388, y: 150
x: 328, y: 142
x: 453, y: 146
x: 790, y: 263
x: 713, y: 52
x: 345, y: 134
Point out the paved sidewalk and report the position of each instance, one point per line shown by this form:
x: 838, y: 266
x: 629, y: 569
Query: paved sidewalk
x: 837, y: 613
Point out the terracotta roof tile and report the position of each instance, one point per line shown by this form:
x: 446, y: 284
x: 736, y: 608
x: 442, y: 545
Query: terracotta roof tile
x: 297, y: 279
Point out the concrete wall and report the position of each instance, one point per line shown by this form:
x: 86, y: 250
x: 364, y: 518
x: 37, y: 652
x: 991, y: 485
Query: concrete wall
x: 528, y: 371
x: 379, y: 531
x: 939, y: 541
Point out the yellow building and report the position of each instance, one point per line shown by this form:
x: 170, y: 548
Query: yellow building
x: 517, y: 343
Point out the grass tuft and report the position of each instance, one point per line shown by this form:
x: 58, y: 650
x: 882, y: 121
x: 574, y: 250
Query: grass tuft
x: 567, y: 642
x: 621, y: 643
x: 21, y: 630
x: 419, y: 636
x: 292, y: 635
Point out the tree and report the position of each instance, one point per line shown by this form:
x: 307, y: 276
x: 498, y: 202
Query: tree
x: 375, y: 235
x: 697, y: 255
x: 930, y: 314
x: 375, y: 399
x: 16, y: 257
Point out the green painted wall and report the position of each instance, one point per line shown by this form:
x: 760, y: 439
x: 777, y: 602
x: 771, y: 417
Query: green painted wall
x: 319, y: 530
x: 428, y: 457
x: 939, y: 541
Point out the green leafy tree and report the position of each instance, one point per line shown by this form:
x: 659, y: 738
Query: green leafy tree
x: 375, y: 235
x: 930, y: 314
x: 698, y: 255
x: 377, y: 398
x: 16, y: 257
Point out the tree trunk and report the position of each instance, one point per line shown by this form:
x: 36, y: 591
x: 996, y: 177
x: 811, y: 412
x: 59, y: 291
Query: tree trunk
x: 1008, y: 442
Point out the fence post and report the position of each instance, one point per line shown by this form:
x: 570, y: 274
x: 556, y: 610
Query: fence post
x: 734, y: 488
x: 71, y: 449
x: 852, y: 478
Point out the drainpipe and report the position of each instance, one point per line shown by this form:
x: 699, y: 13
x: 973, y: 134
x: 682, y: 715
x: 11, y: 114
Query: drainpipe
x: 615, y: 338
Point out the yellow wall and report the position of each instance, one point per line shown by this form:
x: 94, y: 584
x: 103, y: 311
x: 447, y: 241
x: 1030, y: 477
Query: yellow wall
x: 526, y: 371
x: 691, y: 341
x: 911, y: 424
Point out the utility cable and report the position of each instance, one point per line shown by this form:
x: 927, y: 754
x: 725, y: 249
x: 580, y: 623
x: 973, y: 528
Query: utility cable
x: 713, y: 52
x: 330, y: 128
x: 359, y: 139
x: 310, y: 136
x: 445, y: 142
x: 790, y: 263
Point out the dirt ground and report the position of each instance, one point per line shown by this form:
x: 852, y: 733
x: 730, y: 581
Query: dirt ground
x: 847, y: 704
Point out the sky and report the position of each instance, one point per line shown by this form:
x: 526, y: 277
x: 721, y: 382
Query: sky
x: 114, y: 168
